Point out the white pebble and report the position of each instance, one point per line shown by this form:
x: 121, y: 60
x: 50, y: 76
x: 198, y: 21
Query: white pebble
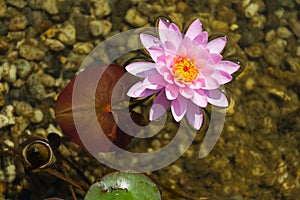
x: 251, y: 10
x: 134, y: 18
x: 37, y: 116
x: 101, y: 8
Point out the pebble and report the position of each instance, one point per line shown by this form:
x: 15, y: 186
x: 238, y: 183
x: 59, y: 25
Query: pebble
x: 106, y: 27
x: 218, y: 25
x: 23, y: 68
x: 226, y: 14
x: 22, y: 108
x: 294, y: 63
x: 21, y: 123
x: 250, y: 84
x: 67, y: 34
x: 283, y: 32
x: 54, y: 44
x: 145, y: 8
x: 18, y: 23
x: 255, y: 51
x: 251, y: 10
x: 295, y: 26
x: 95, y: 28
x: 83, y: 47
x: 15, y: 35
x: 4, y: 88
x: 3, y: 9
x: 50, y: 33
x: 101, y: 8
x: 135, y: 18
x: 298, y: 51
x: 100, y: 27
x: 31, y: 50
x: 81, y: 22
x: 18, y: 83
x: 182, y: 7
x: 279, y: 94
x: 50, y: 6
x: 37, y: 116
x: 4, y: 46
x: 3, y: 28
x: 270, y: 35
x: 9, y: 72
x: 9, y: 173
x: 35, y: 87
x: 6, y: 116
x: 258, y: 21
x: 17, y: 3
x: 47, y: 80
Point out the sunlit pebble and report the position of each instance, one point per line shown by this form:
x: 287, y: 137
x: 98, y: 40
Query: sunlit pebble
x: 37, y: 116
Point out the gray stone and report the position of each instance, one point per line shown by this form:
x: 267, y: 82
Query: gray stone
x: 23, y: 68
x: 9, y: 72
x: 54, y: 45
x: 6, y: 116
x: 67, y: 34
x: 35, y: 87
x: 31, y: 50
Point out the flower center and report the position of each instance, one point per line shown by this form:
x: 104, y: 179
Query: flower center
x: 184, y: 70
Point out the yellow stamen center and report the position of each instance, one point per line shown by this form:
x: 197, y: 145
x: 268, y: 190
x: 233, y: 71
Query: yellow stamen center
x: 184, y: 70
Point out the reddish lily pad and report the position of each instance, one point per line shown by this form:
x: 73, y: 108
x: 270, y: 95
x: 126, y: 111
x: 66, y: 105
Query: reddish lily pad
x: 101, y: 99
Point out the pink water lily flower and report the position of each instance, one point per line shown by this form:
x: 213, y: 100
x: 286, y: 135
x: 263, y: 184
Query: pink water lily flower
x: 186, y: 73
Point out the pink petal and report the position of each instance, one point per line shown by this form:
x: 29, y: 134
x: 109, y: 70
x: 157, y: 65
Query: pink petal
x: 169, y: 78
x: 217, y: 45
x: 194, y: 116
x: 178, y: 108
x: 194, y: 29
x: 210, y: 83
x: 222, y: 77
x: 202, y: 39
x: 156, y: 53
x: 199, y: 98
x: 159, y: 107
x: 141, y: 69
x: 228, y: 66
x: 147, y: 93
x: 206, y: 71
x: 136, y: 90
x: 186, y: 92
x: 163, y: 30
x: 216, y: 57
x: 197, y: 84
x: 216, y: 97
x: 150, y: 41
x: 170, y: 49
x: 154, y: 82
x: 174, y: 35
x: 139, y: 90
x: 172, y: 91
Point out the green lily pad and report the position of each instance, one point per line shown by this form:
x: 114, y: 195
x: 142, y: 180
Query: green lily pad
x: 123, y: 186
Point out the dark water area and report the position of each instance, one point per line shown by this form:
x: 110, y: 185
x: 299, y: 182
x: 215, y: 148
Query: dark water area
x: 42, y: 46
